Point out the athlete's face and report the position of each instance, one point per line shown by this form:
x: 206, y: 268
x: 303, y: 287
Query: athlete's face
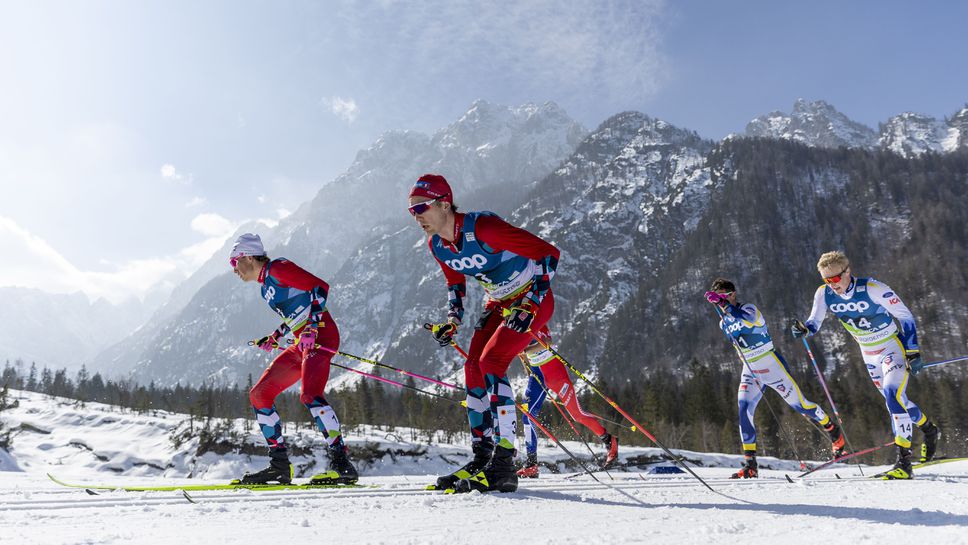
x: 247, y: 269
x: 432, y: 219
x: 837, y: 277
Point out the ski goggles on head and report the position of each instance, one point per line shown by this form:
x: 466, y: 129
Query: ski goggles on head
x: 835, y: 279
x: 422, y: 207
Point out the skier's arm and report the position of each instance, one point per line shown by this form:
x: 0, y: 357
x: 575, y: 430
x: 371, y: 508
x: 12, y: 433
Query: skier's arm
x: 818, y: 312
x: 500, y: 235
x: 882, y: 294
x: 292, y: 275
x: 747, y: 313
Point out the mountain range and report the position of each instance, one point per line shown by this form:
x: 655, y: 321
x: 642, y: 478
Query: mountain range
x: 645, y: 213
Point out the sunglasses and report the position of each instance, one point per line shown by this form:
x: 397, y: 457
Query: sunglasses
x: 422, y: 207
x: 835, y: 279
x: 234, y: 261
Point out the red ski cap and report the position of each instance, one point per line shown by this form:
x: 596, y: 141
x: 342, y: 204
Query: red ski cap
x: 432, y: 186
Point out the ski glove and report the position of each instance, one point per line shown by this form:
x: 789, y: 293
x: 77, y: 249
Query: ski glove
x: 716, y: 298
x: 519, y: 316
x: 307, y: 339
x: 914, y: 362
x: 443, y: 333
x: 269, y: 342
x: 799, y: 330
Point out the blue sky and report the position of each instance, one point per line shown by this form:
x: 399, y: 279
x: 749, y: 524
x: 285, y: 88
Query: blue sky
x: 135, y: 136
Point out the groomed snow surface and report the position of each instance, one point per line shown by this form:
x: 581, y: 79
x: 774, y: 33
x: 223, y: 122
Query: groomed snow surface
x: 629, y: 507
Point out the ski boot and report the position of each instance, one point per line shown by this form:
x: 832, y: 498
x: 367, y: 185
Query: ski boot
x: 341, y: 470
x: 930, y: 445
x: 902, y: 468
x: 530, y: 469
x: 279, y: 470
x: 497, y: 476
x: 482, y: 455
x: 837, y: 442
x: 611, y: 449
x: 749, y: 470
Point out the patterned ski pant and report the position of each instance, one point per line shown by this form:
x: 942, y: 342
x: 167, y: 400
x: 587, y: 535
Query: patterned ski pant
x: 770, y: 370
x: 288, y: 367
x: 490, y: 401
x: 887, y: 367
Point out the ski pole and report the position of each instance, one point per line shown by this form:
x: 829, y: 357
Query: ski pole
x: 395, y: 383
x: 826, y: 391
x: 381, y: 364
x: 382, y: 379
x: 746, y: 364
x: 564, y: 416
x: 628, y: 417
x: 934, y: 363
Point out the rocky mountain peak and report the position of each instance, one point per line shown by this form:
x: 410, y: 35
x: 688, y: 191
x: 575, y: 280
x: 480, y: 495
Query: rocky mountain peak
x: 814, y: 123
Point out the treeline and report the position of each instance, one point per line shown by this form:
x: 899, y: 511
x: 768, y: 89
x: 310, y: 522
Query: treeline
x: 694, y: 409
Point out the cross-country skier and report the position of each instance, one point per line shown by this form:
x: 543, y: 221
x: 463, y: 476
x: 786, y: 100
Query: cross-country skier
x: 867, y: 309
x: 548, y: 374
x: 764, y: 366
x: 300, y: 299
x: 515, y: 269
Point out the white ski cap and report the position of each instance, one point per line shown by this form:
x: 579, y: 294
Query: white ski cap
x: 247, y: 244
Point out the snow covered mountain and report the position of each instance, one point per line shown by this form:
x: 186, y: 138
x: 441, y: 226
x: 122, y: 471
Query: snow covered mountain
x: 818, y: 124
x: 625, y: 203
x: 910, y: 134
x: 487, y: 150
x: 617, y: 208
x: 814, y: 123
x: 57, y: 330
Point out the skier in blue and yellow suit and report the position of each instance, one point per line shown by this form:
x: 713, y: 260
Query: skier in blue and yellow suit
x: 867, y: 310
x: 763, y: 366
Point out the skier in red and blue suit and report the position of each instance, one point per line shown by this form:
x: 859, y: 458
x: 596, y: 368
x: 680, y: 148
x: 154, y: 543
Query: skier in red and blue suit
x: 515, y: 268
x: 547, y: 373
x: 299, y: 298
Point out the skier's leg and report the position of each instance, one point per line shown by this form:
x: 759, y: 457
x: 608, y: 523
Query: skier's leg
x: 315, y: 375
x: 479, y: 413
x: 503, y: 346
x: 558, y: 381
x: 282, y: 373
x: 535, y: 395
x: 748, y: 395
x: 904, y: 412
x: 782, y: 382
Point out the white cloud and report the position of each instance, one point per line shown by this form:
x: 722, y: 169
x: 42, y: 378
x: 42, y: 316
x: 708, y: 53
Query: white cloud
x: 343, y: 108
x: 282, y: 213
x: 212, y: 225
x: 169, y: 172
x: 196, y: 201
x: 40, y: 266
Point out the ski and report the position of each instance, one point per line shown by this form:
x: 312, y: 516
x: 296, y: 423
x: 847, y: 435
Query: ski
x: 841, y: 459
x: 937, y: 461
x: 205, y: 487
